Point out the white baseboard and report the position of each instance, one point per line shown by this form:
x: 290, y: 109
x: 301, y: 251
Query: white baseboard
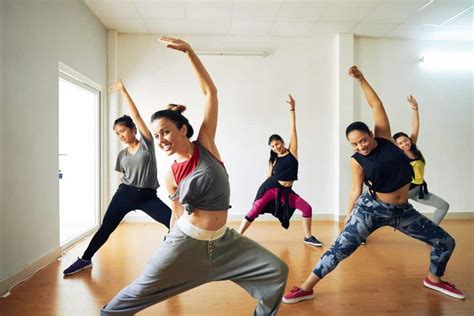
x: 449, y: 215
x: 236, y: 218
x: 297, y: 217
x: 28, y: 271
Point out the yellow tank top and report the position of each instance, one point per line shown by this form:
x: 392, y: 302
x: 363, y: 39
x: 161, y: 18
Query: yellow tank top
x: 419, y: 170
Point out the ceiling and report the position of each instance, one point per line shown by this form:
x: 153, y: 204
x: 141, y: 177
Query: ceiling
x: 411, y: 19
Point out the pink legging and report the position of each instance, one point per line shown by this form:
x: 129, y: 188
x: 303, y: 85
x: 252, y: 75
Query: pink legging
x: 295, y: 201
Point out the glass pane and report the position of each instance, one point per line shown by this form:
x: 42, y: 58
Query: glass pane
x: 78, y: 159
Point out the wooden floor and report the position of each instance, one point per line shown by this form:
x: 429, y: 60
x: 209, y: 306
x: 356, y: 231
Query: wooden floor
x: 382, y: 278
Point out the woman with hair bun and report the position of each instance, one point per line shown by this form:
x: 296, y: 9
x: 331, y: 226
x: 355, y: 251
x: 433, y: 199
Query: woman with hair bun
x: 199, y: 248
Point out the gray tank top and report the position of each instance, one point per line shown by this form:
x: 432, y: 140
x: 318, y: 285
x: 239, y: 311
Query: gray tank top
x: 206, y: 187
x: 139, y: 170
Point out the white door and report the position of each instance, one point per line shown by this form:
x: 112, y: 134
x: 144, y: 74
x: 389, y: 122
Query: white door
x: 79, y: 158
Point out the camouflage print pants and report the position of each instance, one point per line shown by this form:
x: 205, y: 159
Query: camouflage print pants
x: 369, y: 215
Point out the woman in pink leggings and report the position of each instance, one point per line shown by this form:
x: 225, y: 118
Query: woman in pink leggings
x: 275, y: 195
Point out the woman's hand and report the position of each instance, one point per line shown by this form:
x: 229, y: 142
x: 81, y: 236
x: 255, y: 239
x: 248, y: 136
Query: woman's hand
x: 176, y: 43
x: 291, y: 102
x: 355, y: 73
x: 412, y: 101
x: 118, y: 86
x: 207, y: 131
x: 382, y: 124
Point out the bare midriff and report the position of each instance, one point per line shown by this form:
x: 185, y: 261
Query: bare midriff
x: 399, y: 196
x: 208, y: 220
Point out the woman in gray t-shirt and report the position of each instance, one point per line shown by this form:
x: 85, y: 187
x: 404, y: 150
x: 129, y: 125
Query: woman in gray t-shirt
x: 137, y: 163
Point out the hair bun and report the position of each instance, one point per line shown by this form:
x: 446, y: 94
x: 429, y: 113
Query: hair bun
x: 176, y: 107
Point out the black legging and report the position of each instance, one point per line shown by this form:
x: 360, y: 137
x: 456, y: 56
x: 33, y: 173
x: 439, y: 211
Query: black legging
x: 126, y: 199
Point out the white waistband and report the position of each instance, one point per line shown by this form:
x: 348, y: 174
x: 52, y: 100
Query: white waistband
x: 199, y: 233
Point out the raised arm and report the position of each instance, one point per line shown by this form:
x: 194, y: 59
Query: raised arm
x: 118, y: 86
x: 382, y: 125
x: 208, y: 128
x: 415, y: 119
x: 293, y: 146
x: 357, y: 185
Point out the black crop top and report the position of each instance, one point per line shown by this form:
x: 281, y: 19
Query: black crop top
x: 285, y: 168
x: 386, y: 168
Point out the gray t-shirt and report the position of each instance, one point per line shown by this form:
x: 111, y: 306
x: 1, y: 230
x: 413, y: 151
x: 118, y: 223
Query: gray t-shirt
x: 139, y: 170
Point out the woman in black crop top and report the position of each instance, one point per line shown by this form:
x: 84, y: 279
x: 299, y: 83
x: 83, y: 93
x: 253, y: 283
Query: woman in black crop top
x: 275, y: 195
x: 386, y: 170
x: 419, y: 187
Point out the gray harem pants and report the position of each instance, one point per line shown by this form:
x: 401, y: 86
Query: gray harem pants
x: 184, y: 262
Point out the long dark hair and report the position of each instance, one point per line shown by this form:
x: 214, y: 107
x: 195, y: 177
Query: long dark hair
x: 414, y: 150
x: 173, y: 113
x: 125, y: 121
x: 273, y: 155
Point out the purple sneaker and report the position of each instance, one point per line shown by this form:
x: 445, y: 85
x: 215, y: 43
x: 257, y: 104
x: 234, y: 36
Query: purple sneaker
x: 78, y: 266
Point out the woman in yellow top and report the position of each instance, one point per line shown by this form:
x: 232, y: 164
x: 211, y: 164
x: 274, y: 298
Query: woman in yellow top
x: 418, y: 188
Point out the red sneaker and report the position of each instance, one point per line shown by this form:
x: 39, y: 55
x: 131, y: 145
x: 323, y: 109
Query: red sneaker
x: 296, y: 295
x: 445, y: 288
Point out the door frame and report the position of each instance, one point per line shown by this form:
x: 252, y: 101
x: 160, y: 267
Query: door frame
x: 67, y: 73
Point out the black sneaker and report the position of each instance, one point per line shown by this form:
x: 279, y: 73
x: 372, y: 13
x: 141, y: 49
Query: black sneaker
x: 312, y: 241
x: 78, y: 266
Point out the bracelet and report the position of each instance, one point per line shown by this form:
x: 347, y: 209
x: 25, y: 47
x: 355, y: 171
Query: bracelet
x: 292, y: 110
x: 415, y: 109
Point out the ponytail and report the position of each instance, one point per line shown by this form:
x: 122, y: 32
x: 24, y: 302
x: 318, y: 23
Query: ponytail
x: 273, y: 156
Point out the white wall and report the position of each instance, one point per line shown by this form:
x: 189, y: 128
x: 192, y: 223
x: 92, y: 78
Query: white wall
x: 446, y: 113
x: 344, y: 113
x: 2, y: 27
x: 252, y: 95
x: 252, y: 92
x: 39, y: 34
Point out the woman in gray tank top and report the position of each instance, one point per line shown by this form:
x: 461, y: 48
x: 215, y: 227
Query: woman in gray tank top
x: 199, y: 248
x: 137, y: 163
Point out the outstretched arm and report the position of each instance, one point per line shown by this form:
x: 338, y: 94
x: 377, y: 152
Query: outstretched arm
x: 293, y: 146
x: 208, y: 128
x: 357, y: 185
x: 382, y: 125
x: 415, y: 119
x: 118, y: 86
